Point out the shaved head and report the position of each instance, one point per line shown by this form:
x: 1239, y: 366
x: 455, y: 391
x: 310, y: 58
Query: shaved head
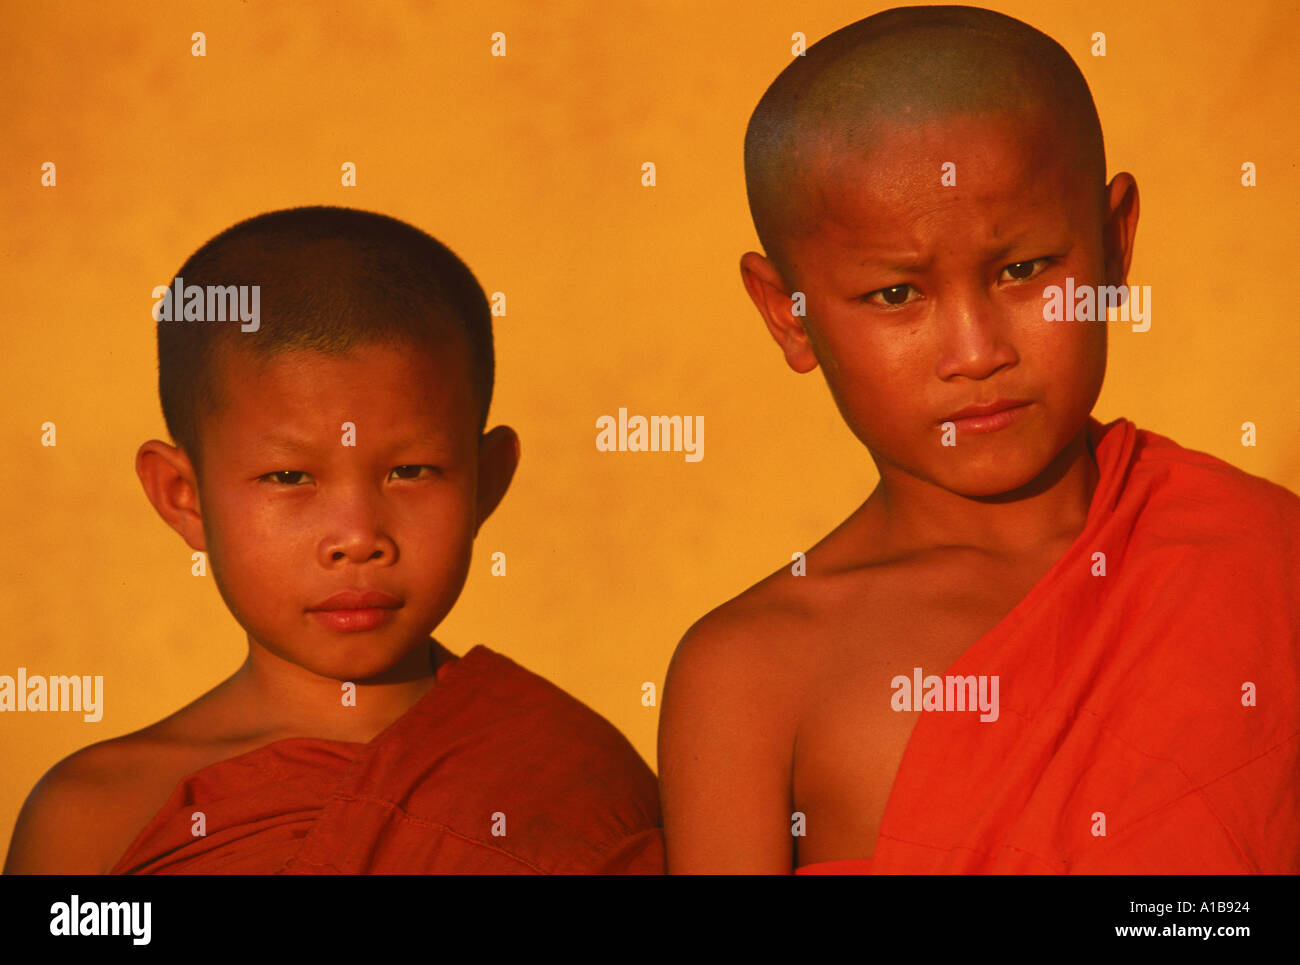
x: 899, y: 69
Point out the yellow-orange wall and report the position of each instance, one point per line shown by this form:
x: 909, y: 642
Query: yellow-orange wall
x: 528, y: 166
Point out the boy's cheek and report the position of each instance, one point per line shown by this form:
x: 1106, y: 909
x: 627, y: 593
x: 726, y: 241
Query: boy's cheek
x: 1078, y: 350
x: 842, y: 349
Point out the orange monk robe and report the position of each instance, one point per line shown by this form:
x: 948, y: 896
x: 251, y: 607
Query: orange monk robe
x: 490, y: 747
x: 1149, y: 718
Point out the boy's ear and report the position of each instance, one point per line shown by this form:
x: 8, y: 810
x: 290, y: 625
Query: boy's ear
x: 775, y: 304
x: 171, y: 484
x: 1120, y: 227
x: 498, y: 455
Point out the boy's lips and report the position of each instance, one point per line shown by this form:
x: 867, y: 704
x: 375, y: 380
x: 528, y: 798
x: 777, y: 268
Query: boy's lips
x: 354, y: 610
x: 987, y: 416
x: 359, y: 600
x: 985, y: 408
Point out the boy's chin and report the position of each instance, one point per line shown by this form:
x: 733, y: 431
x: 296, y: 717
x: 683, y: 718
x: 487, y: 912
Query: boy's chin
x: 353, y: 660
x: 991, y: 487
x: 995, y: 481
x: 1006, y: 473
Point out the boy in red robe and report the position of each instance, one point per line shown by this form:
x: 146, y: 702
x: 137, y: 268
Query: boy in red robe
x: 326, y: 374
x: 1041, y: 644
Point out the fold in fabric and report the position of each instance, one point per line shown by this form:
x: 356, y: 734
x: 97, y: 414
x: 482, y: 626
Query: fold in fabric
x: 490, y: 747
x: 1149, y: 717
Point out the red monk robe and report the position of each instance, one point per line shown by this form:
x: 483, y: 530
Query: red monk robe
x: 421, y: 797
x: 1126, y: 698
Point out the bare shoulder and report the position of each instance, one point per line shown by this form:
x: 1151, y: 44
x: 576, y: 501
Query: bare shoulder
x: 74, y: 815
x: 87, y: 809
x: 745, y: 642
x: 765, y: 635
x: 731, y: 709
x: 772, y: 638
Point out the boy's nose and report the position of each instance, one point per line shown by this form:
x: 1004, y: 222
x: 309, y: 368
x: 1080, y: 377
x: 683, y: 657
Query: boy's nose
x: 358, y: 548
x: 356, y: 534
x: 975, y: 340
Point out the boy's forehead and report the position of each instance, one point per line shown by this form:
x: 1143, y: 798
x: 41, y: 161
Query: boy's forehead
x: 1002, y: 165
x: 386, y: 385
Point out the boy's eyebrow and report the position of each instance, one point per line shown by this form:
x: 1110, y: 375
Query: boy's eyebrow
x: 292, y: 444
x: 285, y: 444
x: 433, y: 438
x: 898, y: 265
x: 904, y: 264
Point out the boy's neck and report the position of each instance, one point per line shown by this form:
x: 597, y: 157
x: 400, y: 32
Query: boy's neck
x: 286, y: 700
x: 1043, y: 516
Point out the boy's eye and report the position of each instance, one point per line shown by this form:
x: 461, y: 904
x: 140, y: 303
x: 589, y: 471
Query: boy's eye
x: 893, y: 297
x: 291, y: 477
x: 283, y: 477
x: 896, y: 296
x: 1024, y: 270
x: 414, y: 471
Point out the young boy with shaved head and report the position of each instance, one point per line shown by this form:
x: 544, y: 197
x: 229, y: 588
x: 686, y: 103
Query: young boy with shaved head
x: 1042, y: 644
x: 331, y: 461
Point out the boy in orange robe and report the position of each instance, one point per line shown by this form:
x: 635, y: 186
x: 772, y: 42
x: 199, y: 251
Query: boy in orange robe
x: 1041, y: 644
x: 326, y: 374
